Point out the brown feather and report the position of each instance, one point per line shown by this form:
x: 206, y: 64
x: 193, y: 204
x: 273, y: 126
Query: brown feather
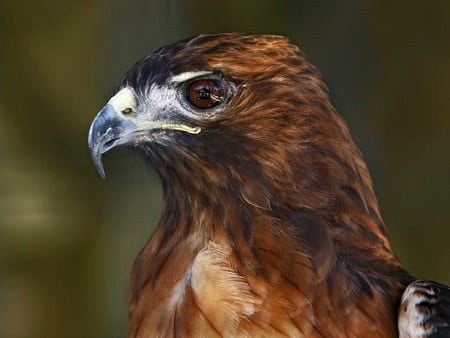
x: 270, y: 224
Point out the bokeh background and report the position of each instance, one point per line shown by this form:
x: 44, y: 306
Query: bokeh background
x: 68, y: 238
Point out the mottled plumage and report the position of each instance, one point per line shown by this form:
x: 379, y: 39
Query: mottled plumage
x: 270, y: 226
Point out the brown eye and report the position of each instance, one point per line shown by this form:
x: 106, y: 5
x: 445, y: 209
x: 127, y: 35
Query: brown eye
x: 206, y: 93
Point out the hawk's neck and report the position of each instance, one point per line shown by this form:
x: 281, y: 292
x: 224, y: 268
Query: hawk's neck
x: 221, y: 266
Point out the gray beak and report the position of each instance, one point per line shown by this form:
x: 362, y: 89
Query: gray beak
x: 108, y: 130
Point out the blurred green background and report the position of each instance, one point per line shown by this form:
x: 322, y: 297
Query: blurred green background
x: 68, y: 238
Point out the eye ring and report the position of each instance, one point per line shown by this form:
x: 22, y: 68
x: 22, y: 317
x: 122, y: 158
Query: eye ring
x: 206, y: 93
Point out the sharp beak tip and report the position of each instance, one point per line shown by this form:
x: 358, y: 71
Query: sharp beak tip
x: 100, y: 170
x: 96, y: 157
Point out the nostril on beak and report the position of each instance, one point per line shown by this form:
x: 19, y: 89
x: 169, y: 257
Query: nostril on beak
x: 127, y: 111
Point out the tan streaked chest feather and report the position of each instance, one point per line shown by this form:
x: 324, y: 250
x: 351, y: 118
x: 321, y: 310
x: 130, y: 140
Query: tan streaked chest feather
x: 211, y: 293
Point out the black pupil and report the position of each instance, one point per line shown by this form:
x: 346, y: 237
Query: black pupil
x: 203, y: 93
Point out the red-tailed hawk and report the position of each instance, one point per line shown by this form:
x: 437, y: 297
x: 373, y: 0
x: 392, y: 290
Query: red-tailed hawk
x: 270, y: 226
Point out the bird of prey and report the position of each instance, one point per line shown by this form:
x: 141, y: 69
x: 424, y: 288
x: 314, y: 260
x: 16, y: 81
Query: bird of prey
x: 270, y: 226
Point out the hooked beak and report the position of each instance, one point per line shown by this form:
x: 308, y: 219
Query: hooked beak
x: 116, y: 125
x: 108, y: 130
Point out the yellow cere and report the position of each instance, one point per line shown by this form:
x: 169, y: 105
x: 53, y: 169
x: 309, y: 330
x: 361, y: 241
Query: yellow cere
x: 124, y: 99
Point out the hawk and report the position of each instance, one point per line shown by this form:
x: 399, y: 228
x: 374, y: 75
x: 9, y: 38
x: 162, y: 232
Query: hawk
x: 270, y: 226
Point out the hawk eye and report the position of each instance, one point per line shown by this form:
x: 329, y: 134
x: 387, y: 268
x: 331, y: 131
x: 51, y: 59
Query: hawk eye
x: 206, y: 93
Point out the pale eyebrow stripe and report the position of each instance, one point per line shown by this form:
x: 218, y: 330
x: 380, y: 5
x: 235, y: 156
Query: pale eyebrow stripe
x: 188, y: 75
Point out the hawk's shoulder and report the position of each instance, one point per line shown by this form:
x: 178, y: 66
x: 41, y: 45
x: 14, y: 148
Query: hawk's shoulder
x: 425, y: 310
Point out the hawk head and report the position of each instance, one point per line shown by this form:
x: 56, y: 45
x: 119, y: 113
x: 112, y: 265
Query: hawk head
x: 235, y: 111
x: 265, y: 193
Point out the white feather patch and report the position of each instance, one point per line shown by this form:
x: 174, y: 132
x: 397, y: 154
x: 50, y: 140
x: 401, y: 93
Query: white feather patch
x: 411, y: 320
x: 187, y: 76
x: 221, y: 292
